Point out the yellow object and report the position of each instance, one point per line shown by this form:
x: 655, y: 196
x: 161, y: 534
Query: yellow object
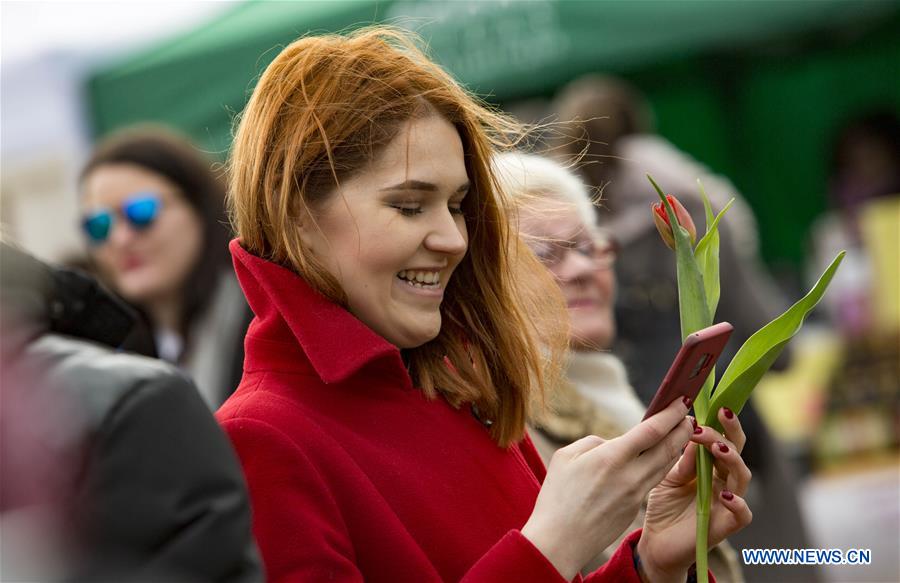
x: 879, y: 224
x: 792, y: 402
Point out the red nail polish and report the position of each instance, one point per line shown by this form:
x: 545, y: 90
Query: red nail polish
x: 722, y: 447
x: 687, y: 401
x: 727, y: 495
x: 729, y: 414
x: 693, y: 422
x: 698, y: 430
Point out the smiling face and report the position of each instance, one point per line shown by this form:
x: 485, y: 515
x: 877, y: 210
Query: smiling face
x: 560, y: 238
x: 147, y: 265
x: 394, y: 232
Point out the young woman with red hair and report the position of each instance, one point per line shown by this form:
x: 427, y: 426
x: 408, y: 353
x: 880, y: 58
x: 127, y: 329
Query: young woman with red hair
x: 403, y: 333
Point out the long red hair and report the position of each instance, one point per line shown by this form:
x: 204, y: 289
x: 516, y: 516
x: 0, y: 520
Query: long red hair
x: 321, y: 112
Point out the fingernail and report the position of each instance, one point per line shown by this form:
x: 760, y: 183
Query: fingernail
x: 722, y: 447
x: 687, y: 401
x: 693, y: 422
x: 729, y: 414
x: 727, y: 495
x: 698, y: 430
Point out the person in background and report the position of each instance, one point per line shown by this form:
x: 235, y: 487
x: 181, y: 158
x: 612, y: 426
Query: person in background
x: 609, y: 124
x: 864, y: 167
x: 865, y: 163
x: 112, y: 467
x: 555, y: 206
x: 153, y: 215
x: 559, y: 223
x: 399, y: 344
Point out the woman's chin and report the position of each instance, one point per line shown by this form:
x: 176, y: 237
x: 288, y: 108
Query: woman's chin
x: 413, y: 338
x: 139, y: 290
x: 135, y: 293
x: 592, y: 338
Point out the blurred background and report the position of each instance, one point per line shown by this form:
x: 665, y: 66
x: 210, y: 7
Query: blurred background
x: 761, y: 92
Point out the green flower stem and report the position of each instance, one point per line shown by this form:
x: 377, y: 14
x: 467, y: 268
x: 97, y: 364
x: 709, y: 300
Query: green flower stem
x: 695, y: 315
x: 704, y: 498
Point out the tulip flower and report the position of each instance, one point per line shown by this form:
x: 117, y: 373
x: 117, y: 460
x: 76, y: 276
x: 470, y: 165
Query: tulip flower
x: 661, y: 218
x: 698, y: 297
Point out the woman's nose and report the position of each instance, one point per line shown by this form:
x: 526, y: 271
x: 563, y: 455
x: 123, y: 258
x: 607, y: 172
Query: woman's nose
x: 121, y: 233
x: 575, y: 266
x: 448, y: 235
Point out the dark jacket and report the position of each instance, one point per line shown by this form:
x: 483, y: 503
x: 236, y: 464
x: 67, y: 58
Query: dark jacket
x: 147, y: 485
x: 354, y: 474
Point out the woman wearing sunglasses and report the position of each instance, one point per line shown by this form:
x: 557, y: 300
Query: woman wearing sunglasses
x: 153, y: 216
x: 558, y: 222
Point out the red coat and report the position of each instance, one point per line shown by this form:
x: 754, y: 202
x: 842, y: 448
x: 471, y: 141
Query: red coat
x: 354, y: 475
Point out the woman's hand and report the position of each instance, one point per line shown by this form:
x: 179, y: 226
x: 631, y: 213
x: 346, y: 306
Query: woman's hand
x: 594, y: 488
x: 667, y: 545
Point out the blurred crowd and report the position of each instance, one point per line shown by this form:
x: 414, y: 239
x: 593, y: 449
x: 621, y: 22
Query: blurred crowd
x: 114, y: 467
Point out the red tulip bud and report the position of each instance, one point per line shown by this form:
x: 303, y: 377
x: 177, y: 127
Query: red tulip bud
x: 661, y: 218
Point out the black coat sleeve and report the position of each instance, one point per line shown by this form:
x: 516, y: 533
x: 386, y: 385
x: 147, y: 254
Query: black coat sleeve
x: 162, y: 494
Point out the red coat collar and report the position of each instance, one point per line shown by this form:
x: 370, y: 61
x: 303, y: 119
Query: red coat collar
x: 335, y: 342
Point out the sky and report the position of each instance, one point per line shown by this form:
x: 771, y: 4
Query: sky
x: 29, y: 29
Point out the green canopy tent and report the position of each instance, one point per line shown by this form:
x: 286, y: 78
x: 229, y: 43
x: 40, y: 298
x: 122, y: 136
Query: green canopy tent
x: 752, y: 88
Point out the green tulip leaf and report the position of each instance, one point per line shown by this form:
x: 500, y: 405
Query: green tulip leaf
x: 758, y: 353
x: 707, y: 254
x: 707, y: 208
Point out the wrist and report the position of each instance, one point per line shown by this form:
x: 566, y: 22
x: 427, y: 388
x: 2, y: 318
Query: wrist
x: 650, y: 572
x: 558, y: 555
x: 638, y: 565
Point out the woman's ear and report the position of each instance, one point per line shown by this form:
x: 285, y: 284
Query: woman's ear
x: 310, y: 232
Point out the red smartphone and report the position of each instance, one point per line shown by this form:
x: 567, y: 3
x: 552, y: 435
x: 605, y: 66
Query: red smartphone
x: 691, y: 366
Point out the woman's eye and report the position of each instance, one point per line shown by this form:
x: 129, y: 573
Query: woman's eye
x: 586, y: 248
x: 543, y: 252
x: 456, y: 209
x: 408, y: 211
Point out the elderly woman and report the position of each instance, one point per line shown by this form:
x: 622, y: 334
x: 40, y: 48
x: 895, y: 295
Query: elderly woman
x: 401, y: 336
x: 557, y: 220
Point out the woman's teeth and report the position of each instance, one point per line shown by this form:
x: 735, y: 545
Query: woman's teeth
x: 426, y: 279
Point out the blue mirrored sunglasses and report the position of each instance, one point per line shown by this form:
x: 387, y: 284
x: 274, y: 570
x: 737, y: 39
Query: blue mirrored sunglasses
x: 139, y: 210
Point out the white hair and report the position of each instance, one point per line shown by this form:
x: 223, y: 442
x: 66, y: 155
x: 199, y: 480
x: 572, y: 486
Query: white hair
x: 528, y: 176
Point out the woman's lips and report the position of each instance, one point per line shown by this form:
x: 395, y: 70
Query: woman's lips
x: 583, y: 303
x: 431, y: 293
x: 131, y: 263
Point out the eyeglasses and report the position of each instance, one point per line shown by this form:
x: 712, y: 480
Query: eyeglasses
x: 139, y: 210
x: 602, y: 252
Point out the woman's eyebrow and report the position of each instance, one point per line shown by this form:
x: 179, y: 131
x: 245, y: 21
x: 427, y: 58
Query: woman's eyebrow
x: 413, y: 185
x: 420, y: 185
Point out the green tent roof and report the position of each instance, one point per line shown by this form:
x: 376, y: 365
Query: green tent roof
x: 753, y: 88
x: 500, y: 49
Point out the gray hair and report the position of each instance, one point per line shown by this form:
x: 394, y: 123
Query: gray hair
x: 524, y: 176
